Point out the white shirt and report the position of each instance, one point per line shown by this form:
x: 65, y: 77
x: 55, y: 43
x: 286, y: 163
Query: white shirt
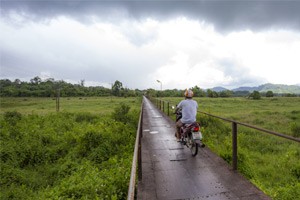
x: 189, y: 110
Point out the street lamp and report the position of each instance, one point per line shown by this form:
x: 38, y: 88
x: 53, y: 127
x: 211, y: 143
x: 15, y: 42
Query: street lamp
x: 160, y: 92
x: 160, y: 84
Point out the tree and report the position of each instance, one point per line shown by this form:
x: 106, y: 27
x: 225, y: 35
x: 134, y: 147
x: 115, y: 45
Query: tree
x: 255, y: 95
x: 212, y: 94
x: 36, y: 80
x: 49, y: 87
x: 241, y: 93
x: 269, y: 94
x: 225, y: 93
x: 82, y: 82
x: 151, y: 92
x: 209, y: 93
x: 17, y: 82
x: 116, y: 88
x: 198, y: 92
x: 5, y: 83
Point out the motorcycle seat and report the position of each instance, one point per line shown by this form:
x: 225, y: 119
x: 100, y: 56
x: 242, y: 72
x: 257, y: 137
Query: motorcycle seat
x: 191, y: 124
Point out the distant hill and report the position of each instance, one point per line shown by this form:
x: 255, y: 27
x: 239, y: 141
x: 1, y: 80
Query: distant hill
x: 249, y: 89
x: 276, y: 88
x: 218, y: 89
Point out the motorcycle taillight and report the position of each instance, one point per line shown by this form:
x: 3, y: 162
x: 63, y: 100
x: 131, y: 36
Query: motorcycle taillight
x: 196, y: 128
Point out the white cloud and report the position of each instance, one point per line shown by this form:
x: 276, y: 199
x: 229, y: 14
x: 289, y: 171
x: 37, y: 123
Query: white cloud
x: 180, y: 52
x: 271, y: 55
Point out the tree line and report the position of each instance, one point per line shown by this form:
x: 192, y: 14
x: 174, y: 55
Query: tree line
x: 37, y: 87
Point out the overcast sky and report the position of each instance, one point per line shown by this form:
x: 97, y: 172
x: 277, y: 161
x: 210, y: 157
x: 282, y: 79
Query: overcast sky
x: 181, y: 43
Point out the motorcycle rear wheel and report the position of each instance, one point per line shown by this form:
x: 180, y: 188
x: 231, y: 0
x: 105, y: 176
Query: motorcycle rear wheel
x: 194, y: 149
x: 192, y: 145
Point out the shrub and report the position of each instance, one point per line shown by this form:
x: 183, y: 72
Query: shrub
x: 255, y: 95
x: 65, y: 155
x: 86, y: 117
x: 269, y: 94
x: 121, y: 113
x: 12, y: 117
x: 296, y: 171
x: 89, y: 141
x: 295, y: 128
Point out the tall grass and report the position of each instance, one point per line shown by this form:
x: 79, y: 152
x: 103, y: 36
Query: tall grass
x: 67, y: 155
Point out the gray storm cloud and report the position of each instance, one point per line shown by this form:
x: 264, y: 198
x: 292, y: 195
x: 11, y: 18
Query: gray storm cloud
x: 225, y: 15
x: 140, y: 41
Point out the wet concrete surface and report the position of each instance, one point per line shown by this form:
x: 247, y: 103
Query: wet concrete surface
x: 169, y: 171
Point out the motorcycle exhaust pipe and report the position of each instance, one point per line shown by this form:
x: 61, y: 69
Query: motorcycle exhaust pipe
x: 200, y: 143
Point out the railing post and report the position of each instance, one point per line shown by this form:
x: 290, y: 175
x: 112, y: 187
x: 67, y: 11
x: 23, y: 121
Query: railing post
x: 168, y: 104
x: 160, y: 104
x: 234, y: 145
x: 163, y: 106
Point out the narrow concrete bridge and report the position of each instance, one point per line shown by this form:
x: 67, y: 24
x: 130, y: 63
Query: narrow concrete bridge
x: 170, y: 172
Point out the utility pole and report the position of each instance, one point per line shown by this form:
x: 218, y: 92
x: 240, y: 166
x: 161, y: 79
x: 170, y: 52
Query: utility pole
x: 111, y: 92
x: 57, y: 99
x: 56, y: 88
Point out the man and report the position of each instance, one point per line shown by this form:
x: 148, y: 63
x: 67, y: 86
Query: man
x: 189, y: 111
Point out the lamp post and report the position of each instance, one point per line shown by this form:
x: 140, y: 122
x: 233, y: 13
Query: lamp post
x: 160, y: 84
x: 160, y: 92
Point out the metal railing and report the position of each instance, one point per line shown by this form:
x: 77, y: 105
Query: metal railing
x: 137, y: 159
x: 160, y: 104
x: 234, y: 135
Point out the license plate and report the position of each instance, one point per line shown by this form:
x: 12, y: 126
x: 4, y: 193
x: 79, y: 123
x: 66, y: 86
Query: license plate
x: 197, y: 135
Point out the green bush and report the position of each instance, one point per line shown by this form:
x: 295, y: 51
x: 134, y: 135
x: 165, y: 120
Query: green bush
x: 66, y: 156
x: 296, y: 171
x: 255, y: 95
x: 12, y: 117
x: 295, y: 128
x: 86, y: 117
x: 121, y: 113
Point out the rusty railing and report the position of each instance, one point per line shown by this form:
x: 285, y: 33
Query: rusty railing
x: 137, y: 159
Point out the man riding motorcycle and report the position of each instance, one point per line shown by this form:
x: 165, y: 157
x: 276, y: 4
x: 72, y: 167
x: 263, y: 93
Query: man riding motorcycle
x: 189, y: 108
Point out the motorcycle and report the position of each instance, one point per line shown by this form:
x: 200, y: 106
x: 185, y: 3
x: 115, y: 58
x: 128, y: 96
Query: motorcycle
x: 190, y: 134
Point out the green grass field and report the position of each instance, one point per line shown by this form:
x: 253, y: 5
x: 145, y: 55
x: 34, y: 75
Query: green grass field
x: 276, y: 114
x: 66, y: 142
x: 95, y: 105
